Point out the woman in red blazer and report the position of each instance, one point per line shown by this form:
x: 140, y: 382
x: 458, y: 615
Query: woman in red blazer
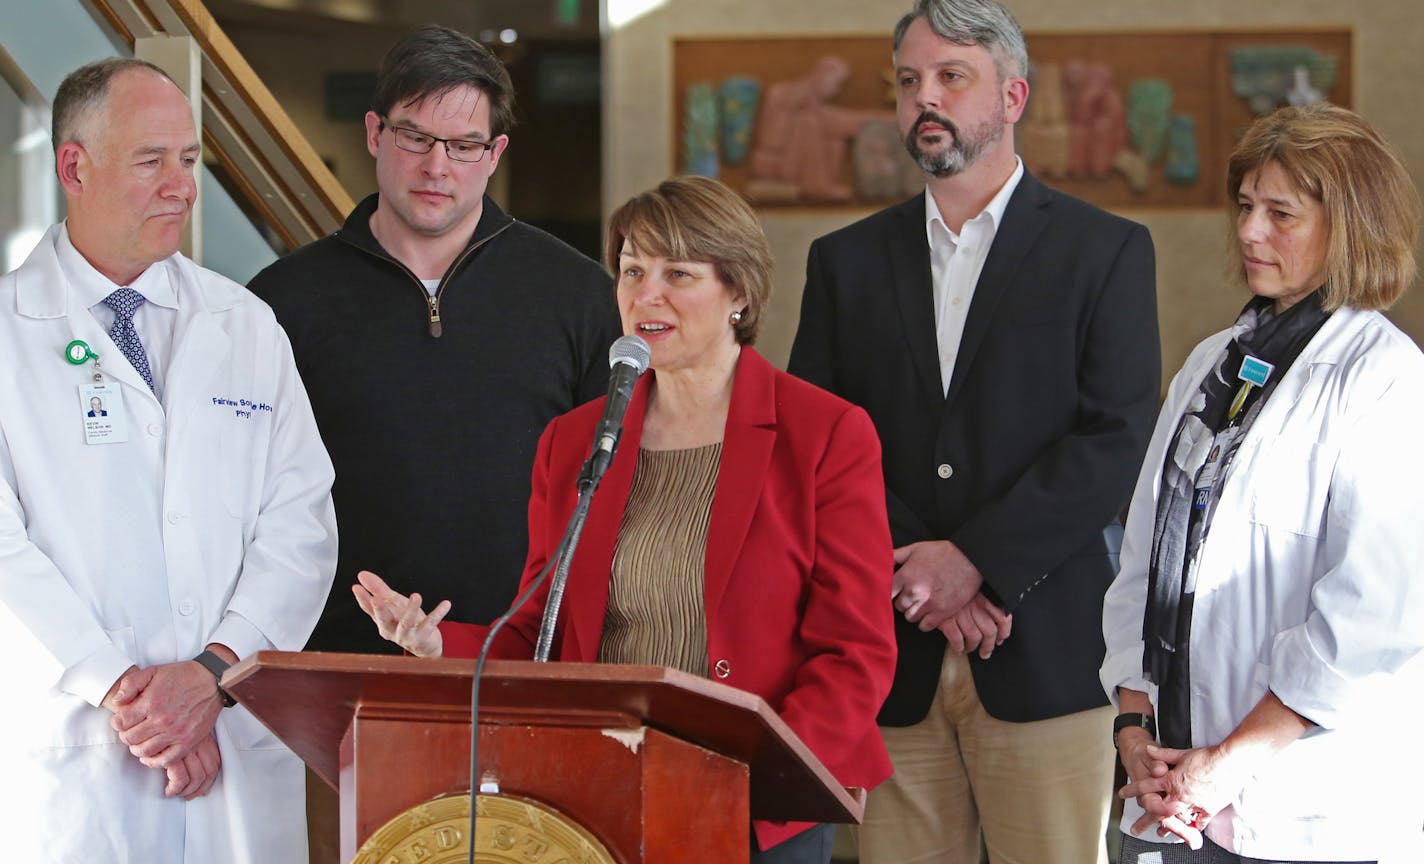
x: 796, y: 563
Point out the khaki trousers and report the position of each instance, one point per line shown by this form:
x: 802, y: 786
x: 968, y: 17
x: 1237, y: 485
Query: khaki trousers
x: 1039, y: 791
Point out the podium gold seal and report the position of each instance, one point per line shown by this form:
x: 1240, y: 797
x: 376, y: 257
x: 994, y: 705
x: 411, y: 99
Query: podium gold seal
x: 509, y: 830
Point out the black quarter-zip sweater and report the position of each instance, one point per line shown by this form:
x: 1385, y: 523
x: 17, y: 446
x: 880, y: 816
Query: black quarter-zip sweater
x: 432, y: 409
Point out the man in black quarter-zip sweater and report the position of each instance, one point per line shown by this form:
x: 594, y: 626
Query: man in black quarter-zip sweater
x: 437, y: 337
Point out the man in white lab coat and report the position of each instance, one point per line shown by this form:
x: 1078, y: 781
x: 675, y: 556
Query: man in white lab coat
x: 192, y: 523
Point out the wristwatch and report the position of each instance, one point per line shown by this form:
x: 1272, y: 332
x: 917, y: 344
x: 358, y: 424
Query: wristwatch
x: 1134, y: 721
x: 216, y: 665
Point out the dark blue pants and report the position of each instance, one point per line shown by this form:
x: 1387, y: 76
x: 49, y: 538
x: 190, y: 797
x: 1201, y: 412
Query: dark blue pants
x: 812, y: 846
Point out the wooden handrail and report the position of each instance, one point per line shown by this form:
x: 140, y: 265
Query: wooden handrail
x: 273, y: 165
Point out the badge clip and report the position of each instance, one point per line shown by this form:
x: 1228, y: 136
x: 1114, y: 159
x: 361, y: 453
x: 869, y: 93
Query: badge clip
x: 78, y: 353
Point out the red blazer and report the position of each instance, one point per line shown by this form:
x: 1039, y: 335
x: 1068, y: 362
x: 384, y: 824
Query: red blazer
x: 798, y: 566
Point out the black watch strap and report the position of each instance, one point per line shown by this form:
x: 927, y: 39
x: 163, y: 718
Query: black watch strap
x: 1134, y: 721
x: 216, y: 665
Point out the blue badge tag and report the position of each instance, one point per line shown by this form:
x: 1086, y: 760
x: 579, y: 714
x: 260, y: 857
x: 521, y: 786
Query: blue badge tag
x: 1255, y: 371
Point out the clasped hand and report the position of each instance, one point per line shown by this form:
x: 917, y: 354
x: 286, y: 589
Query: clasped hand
x: 1179, y: 790
x: 399, y: 618
x: 937, y: 587
x: 166, y: 714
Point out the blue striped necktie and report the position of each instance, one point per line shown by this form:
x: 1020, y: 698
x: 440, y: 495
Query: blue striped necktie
x: 125, y: 303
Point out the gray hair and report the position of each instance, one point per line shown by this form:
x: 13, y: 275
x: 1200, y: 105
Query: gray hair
x: 974, y: 22
x: 82, y: 94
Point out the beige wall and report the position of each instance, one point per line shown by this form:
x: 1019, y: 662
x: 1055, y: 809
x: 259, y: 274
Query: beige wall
x: 1193, y: 299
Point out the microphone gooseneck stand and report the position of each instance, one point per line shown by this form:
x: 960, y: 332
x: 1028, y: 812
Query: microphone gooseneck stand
x: 589, y: 476
x: 562, y: 553
x: 587, y: 483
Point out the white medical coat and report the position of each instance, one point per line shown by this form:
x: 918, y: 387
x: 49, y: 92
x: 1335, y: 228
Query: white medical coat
x: 212, y: 523
x: 1310, y: 584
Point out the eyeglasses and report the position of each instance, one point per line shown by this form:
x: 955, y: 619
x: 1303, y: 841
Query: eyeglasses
x: 459, y: 150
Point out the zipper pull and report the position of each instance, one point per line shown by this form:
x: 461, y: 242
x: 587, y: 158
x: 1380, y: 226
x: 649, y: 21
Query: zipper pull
x: 434, y: 318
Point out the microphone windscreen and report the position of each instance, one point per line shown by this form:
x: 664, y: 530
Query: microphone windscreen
x: 632, y: 351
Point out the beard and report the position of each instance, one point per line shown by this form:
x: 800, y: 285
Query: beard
x: 962, y: 149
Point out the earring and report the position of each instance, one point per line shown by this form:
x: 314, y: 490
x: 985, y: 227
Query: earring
x: 736, y: 317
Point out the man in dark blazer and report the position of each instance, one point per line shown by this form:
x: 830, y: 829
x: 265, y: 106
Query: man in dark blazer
x: 1003, y: 338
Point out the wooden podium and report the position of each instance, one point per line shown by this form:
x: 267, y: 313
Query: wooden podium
x: 658, y: 765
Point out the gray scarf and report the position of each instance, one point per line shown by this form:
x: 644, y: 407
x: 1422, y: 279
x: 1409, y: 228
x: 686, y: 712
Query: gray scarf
x: 1193, y: 474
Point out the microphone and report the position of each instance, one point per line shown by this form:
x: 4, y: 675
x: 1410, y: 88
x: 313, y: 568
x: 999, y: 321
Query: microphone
x: 628, y: 358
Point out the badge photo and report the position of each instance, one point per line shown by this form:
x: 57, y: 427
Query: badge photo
x: 101, y: 407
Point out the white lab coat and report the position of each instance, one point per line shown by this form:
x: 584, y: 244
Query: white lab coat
x: 1310, y: 583
x: 205, y: 526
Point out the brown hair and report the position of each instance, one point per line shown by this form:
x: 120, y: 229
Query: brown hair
x: 1371, y: 206
x: 434, y: 60
x: 692, y: 218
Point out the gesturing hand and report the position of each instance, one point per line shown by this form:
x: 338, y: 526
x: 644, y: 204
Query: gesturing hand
x: 399, y: 618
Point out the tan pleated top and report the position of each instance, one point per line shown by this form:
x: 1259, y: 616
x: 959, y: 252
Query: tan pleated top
x: 655, y: 612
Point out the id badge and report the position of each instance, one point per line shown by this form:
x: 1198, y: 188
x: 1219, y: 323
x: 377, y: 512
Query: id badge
x: 101, y: 407
x: 1206, y: 477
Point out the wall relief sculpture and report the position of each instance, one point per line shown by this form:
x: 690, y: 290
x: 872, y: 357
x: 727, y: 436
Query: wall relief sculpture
x: 1123, y: 119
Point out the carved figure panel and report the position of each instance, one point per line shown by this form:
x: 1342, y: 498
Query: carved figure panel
x: 1119, y: 118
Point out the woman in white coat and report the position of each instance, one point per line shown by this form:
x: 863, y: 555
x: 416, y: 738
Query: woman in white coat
x: 1268, y: 620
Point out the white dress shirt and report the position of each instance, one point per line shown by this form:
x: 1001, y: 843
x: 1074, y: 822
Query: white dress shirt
x: 153, y: 320
x: 956, y: 260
